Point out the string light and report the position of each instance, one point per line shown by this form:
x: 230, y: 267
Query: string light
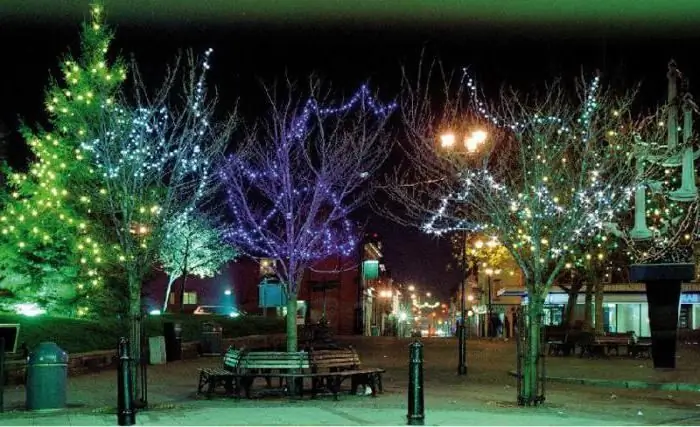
x: 529, y: 214
x: 48, y: 216
x: 301, y: 217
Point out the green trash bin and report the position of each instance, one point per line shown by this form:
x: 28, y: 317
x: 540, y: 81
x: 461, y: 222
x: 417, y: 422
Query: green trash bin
x: 212, y: 340
x: 47, y: 374
x: 375, y: 331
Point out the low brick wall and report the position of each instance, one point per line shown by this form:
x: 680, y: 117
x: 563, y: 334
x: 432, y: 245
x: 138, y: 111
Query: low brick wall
x: 96, y: 361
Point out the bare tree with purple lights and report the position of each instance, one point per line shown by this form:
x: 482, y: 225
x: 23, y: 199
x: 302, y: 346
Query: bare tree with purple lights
x: 297, y: 177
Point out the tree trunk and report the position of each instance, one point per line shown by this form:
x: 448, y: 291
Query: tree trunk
x: 135, y: 330
x: 171, y: 280
x: 292, y: 323
x: 599, y: 312
x: 184, y: 277
x: 570, y: 306
x: 182, y: 291
x: 588, y: 307
x: 530, y: 392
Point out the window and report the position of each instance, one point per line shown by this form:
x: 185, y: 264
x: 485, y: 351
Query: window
x: 629, y: 318
x: 696, y: 316
x: 684, y: 316
x: 645, y: 330
x: 190, y: 298
x: 609, y: 316
x: 553, y: 315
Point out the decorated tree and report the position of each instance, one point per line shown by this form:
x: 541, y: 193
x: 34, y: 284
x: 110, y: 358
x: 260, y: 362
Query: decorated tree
x: 591, y: 264
x: 191, y: 245
x: 478, y: 251
x: 553, y: 170
x: 298, y: 176
x: 155, y: 153
x: 53, y: 250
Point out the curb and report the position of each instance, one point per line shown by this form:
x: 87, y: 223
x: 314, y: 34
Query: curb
x: 21, y: 413
x: 622, y: 383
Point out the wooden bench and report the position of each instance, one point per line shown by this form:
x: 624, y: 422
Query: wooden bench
x: 271, y: 364
x: 214, y: 377
x: 564, y: 346
x: 329, y: 368
x: 603, y: 345
x: 639, y: 349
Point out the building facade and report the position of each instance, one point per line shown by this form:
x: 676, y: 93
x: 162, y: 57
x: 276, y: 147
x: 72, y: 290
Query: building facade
x: 625, y: 308
x: 349, y: 292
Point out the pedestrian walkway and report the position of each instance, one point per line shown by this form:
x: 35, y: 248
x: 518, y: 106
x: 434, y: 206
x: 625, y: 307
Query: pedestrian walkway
x: 309, y: 413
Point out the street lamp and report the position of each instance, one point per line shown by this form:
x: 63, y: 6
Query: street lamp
x: 472, y: 142
x: 411, y: 288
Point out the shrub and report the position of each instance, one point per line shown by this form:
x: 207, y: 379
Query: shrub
x: 79, y: 336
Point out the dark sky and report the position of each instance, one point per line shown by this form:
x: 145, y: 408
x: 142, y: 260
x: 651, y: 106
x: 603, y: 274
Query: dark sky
x: 351, y: 47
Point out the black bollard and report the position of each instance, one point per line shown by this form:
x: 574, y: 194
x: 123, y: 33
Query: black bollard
x: 125, y: 399
x: 416, y: 409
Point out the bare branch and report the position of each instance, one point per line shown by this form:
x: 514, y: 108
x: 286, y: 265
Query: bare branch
x: 553, y: 170
x: 302, y: 169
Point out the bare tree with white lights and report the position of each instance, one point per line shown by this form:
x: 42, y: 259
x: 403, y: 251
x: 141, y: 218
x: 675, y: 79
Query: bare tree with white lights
x: 156, y: 154
x: 542, y: 173
x: 301, y: 172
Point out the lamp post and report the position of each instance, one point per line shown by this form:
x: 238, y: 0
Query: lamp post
x: 461, y: 326
x: 472, y: 142
x: 489, y: 313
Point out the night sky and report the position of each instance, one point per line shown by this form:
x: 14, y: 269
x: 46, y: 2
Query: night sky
x: 354, y: 41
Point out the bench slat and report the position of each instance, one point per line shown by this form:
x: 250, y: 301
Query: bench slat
x: 273, y: 366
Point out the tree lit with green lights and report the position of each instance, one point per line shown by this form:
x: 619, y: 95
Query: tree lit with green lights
x: 52, y: 252
x: 192, y: 246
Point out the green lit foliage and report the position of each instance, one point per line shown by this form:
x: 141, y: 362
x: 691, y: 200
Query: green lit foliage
x: 192, y: 245
x: 52, y: 252
x: 481, y: 252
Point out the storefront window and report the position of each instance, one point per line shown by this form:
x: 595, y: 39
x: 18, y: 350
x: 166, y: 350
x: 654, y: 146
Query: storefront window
x: 645, y: 330
x: 629, y: 318
x: 695, y: 318
x: 553, y: 315
x: 609, y: 316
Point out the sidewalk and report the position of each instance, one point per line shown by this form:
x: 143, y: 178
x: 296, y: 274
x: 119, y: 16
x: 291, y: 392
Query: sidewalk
x: 310, y: 413
x: 485, y: 396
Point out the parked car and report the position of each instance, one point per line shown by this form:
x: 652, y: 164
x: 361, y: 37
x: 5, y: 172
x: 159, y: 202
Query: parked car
x: 220, y: 310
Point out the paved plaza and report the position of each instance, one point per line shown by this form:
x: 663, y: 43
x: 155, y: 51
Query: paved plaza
x: 485, y: 397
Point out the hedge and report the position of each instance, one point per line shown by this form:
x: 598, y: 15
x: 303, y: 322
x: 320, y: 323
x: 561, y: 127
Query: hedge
x: 79, y: 336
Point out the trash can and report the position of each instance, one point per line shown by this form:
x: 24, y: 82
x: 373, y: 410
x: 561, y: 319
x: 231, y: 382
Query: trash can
x: 173, y: 341
x: 212, y: 338
x: 47, y: 374
x: 375, y: 331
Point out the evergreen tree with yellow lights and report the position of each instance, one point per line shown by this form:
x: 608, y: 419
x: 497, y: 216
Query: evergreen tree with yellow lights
x: 53, y: 253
